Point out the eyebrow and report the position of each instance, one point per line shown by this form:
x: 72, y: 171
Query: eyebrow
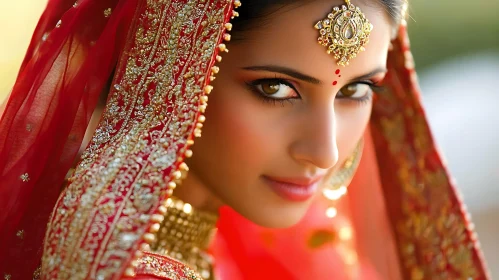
x: 370, y: 74
x: 286, y: 71
x: 306, y: 78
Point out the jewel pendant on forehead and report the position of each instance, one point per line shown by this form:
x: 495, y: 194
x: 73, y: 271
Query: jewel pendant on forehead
x: 344, y: 32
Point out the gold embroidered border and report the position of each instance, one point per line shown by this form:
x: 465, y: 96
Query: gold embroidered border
x: 434, y: 234
x: 165, y: 268
x: 100, y: 218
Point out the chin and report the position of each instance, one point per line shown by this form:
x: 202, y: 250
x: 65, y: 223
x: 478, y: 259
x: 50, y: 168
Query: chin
x: 269, y: 217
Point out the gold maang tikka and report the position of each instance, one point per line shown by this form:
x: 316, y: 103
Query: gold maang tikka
x: 345, y: 31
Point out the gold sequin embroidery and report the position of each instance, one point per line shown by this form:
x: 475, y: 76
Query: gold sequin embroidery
x: 433, y: 239
x: 165, y: 268
x: 107, y: 12
x: 24, y: 177
x: 150, y: 116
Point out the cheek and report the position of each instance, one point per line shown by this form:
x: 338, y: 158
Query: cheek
x: 234, y: 137
x: 351, y: 124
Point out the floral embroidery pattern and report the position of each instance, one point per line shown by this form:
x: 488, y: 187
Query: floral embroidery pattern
x: 151, y: 115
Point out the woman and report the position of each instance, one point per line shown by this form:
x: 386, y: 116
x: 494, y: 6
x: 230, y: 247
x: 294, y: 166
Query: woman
x: 116, y: 216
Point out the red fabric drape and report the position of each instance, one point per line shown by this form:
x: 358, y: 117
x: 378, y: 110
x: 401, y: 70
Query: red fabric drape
x: 72, y: 55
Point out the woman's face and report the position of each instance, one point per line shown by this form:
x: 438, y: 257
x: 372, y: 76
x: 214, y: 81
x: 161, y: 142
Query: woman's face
x: 281, y: 116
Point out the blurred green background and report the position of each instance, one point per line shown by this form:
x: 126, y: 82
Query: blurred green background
x: 443, y: 29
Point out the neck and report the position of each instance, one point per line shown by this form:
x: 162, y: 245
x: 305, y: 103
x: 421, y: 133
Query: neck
x: 185, y: 235
x: 193, y: 191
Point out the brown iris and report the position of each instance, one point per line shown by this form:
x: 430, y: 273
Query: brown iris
x: 349, y: 90
x: 270, y: 87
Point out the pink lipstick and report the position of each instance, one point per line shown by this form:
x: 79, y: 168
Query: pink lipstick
x: 294, y: 189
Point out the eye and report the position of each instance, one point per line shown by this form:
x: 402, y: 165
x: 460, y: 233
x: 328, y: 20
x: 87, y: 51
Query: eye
x: 275, y: 88
x: 355, y: 91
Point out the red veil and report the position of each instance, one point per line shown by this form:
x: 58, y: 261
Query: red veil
x: 160, y: 56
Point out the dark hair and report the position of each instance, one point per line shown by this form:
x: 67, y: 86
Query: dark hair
x: 256, y: 13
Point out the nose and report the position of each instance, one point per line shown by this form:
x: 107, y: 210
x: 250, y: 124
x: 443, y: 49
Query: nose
x: 316, y: 141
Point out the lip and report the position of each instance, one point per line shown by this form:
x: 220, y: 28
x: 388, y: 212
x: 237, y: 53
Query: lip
x: 294, y: 189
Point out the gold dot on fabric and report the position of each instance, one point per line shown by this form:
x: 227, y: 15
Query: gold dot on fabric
x: 38, y: 273
x: 331, y: 212
x: 321, y: 237
x: 25, y: 177
x: 345, y: 233
x: 107, y: 12
x: 20, y: 234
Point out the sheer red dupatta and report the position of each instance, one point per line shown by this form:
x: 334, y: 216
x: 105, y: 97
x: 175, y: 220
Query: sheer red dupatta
x: 72, y: 55
x: 106, y: 216
x: 163, y: 53
x: 405, y: 216
x: 435, y: 236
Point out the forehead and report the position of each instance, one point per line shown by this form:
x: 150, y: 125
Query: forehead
x: 288, y: 38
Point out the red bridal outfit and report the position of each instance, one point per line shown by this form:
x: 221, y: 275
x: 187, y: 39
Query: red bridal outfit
x: 111, y: 218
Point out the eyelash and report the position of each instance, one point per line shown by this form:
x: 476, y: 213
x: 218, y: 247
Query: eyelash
x: 368, y: 97
x: 269, y: 100
x: 273, y: 101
